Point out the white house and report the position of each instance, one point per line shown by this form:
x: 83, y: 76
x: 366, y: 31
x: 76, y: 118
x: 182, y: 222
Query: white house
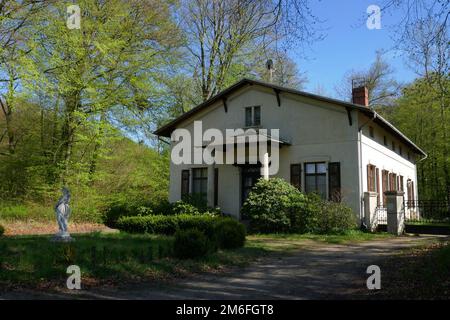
x: 332, y: 147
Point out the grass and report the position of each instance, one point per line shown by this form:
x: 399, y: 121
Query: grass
x: 418, y: 273
x: 429, y: 223
x: 36, y: 261
x: 286, y: 241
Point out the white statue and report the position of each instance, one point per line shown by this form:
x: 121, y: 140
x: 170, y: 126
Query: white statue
x: 62, y: 211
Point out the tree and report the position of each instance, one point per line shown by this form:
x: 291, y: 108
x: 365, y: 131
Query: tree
x: 285, y: 72
x: 378, y: 78
x: 221, y: 32
x: 418, y: 114
x: 112, y: 63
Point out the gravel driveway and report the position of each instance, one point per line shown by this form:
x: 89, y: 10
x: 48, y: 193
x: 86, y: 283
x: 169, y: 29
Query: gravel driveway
x: 320, y: 271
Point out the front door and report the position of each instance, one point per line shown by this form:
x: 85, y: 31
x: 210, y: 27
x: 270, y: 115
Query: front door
x: 250, y: 175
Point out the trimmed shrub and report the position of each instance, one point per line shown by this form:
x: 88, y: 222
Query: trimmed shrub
x: 270, y: 204
x: 161, y: 224
x: 230, y: 233
x: 113, y: 213
x: 2, y: 230
x: 191, y: 244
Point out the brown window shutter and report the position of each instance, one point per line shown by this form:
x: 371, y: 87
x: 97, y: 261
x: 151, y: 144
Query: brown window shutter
x: 334, y: 181
x: 216, y: 186
x: 296, y: 175
x: 184, y: 182
x: 377, y: 176
x: 385, y: 176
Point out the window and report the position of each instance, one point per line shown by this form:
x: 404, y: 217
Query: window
x: 252, y: 116
x: 334, y: 181
x: 315, y: 178
x: 371, y: 182
x: 392, y: 182
x: 400, y: 183
x: 371, y: 132
x: 385, y: 141
x: 393, y: 145
x: 200, y: 182
x: 410, y: 191
x: 184, y: 182
x: 400, y: 150
x: 296, y: 175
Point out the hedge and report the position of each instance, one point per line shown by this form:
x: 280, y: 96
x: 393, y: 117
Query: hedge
x: 168, y: 225
x: 224, y: 232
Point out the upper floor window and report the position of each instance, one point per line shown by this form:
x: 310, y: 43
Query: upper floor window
x: 371, y: 132
x: 400, y: 150
x: 393, y: 145
x: 252, y: 116
x: 385, y: 141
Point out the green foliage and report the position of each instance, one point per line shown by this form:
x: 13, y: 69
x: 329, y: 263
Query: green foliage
x: 181, y: 207
x: 422, y: 115
x: 334, y: 218
x: 191, y: 244
x: 230, y: 234
x: 269, y: 205
x: 276, y: 206
x: 2, y: 230
x: 167, y: 224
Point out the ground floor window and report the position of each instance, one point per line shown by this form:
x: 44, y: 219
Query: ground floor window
x: 200, y: 182
x: 184, y: 182
x: 315, y: 178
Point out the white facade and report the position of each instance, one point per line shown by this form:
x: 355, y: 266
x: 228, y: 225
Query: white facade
x: 317, y: 130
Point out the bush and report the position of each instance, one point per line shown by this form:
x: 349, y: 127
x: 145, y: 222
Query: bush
x: 181, y: 207
x: 191, y: 243
x: 2, y: 230
x: 335, y: 218
x: 161, y: 224
x: 115, y: 212
x: 304, y: 213
x: 270, y: 204
x: 230, y: 233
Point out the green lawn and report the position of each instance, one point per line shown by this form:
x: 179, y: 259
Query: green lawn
x: 36, y: 261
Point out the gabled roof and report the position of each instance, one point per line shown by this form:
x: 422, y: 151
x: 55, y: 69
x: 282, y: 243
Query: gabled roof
x: 167, y: 129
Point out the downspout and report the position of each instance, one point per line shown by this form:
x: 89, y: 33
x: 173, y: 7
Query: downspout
x: 361, y: 198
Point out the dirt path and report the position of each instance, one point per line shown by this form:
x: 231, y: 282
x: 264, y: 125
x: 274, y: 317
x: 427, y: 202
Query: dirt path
x: 322, y: 271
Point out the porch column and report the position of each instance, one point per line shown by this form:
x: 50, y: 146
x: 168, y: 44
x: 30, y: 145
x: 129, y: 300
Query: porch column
x: 370, y: 214
x: 265, y: 166
x: 395, y: 212
x: 210, y: 186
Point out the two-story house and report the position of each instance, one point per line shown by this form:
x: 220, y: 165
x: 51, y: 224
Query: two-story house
x: 335, y: 148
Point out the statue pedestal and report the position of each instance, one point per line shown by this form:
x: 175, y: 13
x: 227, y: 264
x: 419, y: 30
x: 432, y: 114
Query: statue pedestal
x: 62, y: 237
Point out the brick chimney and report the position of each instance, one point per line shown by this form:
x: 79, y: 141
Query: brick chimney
x: 360, y: 93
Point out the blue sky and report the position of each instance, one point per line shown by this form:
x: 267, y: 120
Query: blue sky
x: 349, y: 44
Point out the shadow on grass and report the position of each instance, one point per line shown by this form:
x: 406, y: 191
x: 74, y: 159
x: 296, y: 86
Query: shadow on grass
x: 33, y: 260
